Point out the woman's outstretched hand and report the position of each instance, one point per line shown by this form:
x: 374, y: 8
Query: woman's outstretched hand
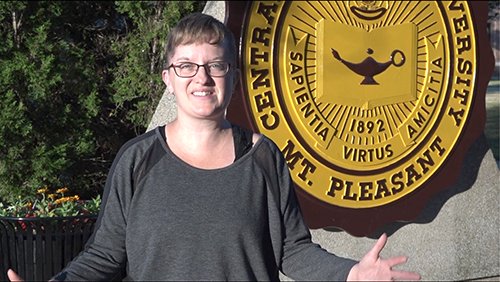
x: 373, y: 268
x: 13, y: 276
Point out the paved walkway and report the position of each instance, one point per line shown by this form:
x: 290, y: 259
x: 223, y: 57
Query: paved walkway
x: 492, y: 128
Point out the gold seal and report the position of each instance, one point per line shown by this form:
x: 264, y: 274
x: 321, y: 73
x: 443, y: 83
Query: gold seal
x: 366, y: 99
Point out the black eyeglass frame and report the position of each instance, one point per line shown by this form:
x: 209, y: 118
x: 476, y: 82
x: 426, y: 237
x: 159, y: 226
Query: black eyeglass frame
x: 205, y: 66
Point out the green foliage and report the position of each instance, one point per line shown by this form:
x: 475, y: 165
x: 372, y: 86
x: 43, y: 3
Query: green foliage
x: 137, y: 84
x: 78, y: 79
x: 50, y: 98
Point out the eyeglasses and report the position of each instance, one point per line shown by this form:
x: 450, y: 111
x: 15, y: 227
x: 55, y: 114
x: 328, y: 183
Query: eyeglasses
x: 187, y: 70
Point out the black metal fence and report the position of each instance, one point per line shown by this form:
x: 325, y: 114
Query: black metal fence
x: 38, y: 248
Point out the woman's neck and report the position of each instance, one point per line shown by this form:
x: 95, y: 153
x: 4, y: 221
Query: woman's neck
x: 204, y: 145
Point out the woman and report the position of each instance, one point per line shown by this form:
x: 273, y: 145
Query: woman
x: 204, y: 199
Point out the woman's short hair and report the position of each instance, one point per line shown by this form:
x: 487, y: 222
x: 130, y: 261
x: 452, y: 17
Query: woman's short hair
x: 199, y: 28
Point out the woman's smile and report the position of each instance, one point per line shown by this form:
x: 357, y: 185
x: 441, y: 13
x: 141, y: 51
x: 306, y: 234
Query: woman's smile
x: 201, y: 93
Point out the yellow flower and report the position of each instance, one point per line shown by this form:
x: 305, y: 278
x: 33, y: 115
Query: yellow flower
x: 42, y: 190
x: 62, y: 190
x: 62, y: 200
x: 52, y: 196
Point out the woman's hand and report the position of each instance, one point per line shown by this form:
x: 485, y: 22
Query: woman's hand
x: 13, y: 276
x: 373, y: 268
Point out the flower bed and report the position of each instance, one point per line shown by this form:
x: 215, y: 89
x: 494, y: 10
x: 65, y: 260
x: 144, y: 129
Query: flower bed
x: 41, y: 234
x: 49, y: 203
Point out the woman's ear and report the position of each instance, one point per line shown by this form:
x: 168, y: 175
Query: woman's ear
x: 166, y: 80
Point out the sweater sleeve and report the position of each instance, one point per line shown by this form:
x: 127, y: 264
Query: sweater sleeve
x: 104, y: 256
x: 301, y: 258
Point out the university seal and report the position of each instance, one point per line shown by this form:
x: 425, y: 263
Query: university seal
x: 371, y: 102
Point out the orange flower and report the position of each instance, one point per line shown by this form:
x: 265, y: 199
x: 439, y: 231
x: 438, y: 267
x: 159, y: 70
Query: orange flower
x: 62, y: 200
x: 42, y: 190
x: 62, y: 190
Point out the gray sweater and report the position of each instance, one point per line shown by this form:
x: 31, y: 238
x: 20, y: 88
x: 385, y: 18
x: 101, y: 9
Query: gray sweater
x: 162, y: 219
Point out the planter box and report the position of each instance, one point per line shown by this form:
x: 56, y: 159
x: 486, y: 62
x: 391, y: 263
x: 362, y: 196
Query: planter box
x: 38, y: 248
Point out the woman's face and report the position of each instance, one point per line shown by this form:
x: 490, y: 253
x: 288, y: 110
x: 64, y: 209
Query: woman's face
x: 201, y: 96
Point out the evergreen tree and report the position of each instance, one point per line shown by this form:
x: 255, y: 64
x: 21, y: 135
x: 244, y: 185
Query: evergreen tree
x: 49, y: 97
x: 77, y: 79
x: 137, y: 86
